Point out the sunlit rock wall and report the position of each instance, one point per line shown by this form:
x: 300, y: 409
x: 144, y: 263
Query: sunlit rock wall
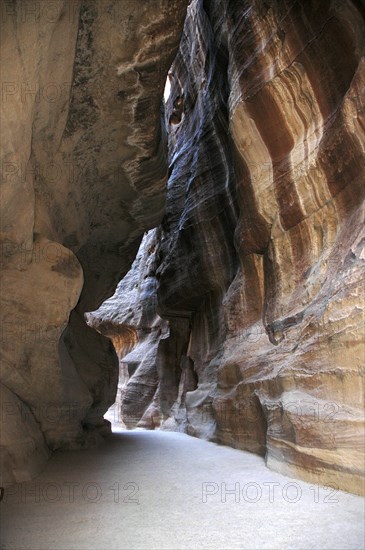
x: 260, y: 257
x: 84, y: 173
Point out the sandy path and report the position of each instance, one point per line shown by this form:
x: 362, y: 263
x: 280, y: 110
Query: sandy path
x: 159, y: 490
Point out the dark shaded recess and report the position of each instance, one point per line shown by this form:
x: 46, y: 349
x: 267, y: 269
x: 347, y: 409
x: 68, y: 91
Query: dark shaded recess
x: 252, y: 232
x: 132, y: 367
x: 85, y: 346
x: 270, y: 293
x: 171, y: 352
x: 177, y: 111
x: 191, y: 376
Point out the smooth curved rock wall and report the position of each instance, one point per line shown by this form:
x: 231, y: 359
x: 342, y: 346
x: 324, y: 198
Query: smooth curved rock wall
x: 260, y: 256
x: 83, y: 176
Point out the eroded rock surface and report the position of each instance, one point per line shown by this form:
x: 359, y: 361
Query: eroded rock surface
x: 129, y: 318
x: 241, y: 320
x: 83, y: 176
x: 260, y: 256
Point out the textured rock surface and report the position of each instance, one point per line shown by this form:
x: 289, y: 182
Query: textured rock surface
x: 23, y: 449
x: 83, y: 176
x: 260, y: 257
x: 241, y: 320
x: 284, y: 370
x: 130, y: 320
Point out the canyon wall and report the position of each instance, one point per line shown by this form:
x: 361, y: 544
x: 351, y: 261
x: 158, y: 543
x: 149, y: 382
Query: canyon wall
x: 260, y: 261
x: 84, y: 169
x: 129, y: 318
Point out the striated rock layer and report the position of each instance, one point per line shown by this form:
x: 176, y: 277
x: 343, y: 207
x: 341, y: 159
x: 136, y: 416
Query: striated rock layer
x: 83, y: 176
x: 129, y: 318
x: 260, y: 257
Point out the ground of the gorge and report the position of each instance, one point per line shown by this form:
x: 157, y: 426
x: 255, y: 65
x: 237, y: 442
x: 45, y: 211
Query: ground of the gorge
x: 162, y: 490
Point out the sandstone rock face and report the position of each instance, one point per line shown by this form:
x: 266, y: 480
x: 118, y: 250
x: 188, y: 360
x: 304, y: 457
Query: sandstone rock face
x: 83, y: 176
x: 260, y: 257
x: 23, y: 449
x: 241, y: 319
x: 130, y: 320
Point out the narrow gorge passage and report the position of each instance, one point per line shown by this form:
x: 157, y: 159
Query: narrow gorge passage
x: 157, y: 490
x: 182, y: 239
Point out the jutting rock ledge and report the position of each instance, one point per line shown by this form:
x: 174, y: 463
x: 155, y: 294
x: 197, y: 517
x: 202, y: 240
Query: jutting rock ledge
x: 241, y: 318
